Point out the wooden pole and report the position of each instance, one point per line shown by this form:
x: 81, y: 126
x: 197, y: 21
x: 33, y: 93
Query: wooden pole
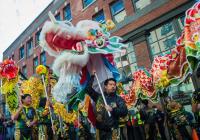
x: 48, y: 106
x: 104, y: 99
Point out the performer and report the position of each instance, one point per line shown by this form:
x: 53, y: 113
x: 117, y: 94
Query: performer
x: 196, y: 101
x: 44, y: 121
x: 2, y: 118
x: 25, y: 118
x: 106, y: 125
x: 196, y: 109
x: 179, y: 117
x: 135, y: 125
x: 84, y: 127
x: 9, y: 125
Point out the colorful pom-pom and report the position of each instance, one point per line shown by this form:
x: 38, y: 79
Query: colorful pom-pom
x: 41, y: 69
x: 110, y: 24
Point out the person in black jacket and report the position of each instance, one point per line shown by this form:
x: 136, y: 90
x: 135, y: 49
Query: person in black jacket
x: 106, y: 125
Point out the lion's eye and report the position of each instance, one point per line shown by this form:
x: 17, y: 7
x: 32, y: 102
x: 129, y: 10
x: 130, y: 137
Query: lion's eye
x: 100, y: 42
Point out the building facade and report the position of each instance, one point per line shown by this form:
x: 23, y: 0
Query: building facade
x: 150, y: 27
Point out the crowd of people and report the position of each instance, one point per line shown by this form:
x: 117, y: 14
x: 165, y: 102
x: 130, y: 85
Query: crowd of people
x: 144, y: 121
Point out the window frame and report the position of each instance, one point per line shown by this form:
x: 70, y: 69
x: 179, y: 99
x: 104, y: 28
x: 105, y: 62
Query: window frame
x: 34, y: 67
x: 138, y: 9
x: 122, y: 67
x: 22, y: 47
x: 97, y: 14
x: 24, y: 67
x: 86, y: 6
x: 13, y: 57
x: 37, y: 41
x: 27, y: 46
x: 65, y: 12
x: 177, y: 33
x: 118, y: 10
x: 58, y: 15
x: 41, y: 54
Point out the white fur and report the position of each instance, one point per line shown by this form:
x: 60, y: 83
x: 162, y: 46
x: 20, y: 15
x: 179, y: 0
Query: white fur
x: 48, y: 26
x: 69, y: 58
x: 69, y: 79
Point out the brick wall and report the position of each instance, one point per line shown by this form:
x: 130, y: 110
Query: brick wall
x: 142, y: 54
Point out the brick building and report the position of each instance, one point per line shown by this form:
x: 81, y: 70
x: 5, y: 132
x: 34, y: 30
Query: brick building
x: 151, y: 27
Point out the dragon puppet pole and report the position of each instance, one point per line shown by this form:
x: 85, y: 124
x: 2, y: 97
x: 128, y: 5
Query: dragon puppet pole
x: 104, y: 99
x: 45, y: 90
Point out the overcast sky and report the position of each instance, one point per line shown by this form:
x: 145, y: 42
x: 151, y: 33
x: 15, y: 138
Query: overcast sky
x: 15, y: 16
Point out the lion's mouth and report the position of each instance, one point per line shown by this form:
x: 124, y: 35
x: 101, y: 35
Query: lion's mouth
x: 8, y: 69
x: 63, y: 42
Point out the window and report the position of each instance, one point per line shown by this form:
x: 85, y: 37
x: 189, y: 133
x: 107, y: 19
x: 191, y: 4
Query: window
x: 126, y: 61
x: 21, y: 53
x: 162, y: 39
x: 29, y: 46
x: 43, y: 58
x: 58, y: 17
x: 87, y: 3
x: 118, y: 11
x: 140, y: 4
x: 37, y: 38
x: 13, y: 57
x: 183, y: 92
x: 35, y: 64
x: 67, y: 13
x: 99, y: 17
x: 24, y: 70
